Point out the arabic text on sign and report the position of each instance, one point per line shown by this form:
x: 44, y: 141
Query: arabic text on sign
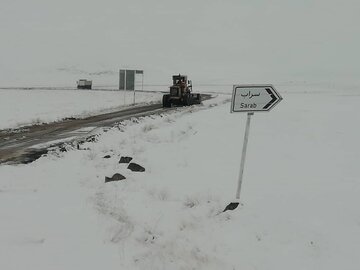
x: 250, y: 95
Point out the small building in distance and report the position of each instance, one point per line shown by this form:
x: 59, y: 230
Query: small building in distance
x: 84, y: 84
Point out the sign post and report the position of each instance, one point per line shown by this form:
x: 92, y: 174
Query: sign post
x: 141, y: 72
x: 250, y: 99
x: 127, y: 81
x: 243, y: 154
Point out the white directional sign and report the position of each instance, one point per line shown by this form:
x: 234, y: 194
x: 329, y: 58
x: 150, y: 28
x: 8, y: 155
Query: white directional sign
x: 250, y: 99
x: 254, y: 98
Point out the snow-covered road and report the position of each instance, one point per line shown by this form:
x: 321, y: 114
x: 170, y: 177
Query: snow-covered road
x: 26, y: 144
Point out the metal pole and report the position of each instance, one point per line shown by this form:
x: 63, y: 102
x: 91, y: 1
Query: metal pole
x: 125, y: 88
x: 134, y: 85
x: 246, y: 137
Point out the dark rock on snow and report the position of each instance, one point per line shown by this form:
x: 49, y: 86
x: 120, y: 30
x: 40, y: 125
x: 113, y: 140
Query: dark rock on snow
x: 231, y: 206
x: 115, y: 177
x: 107, y: 156
x: 136, y: 167
x: 125, y: 159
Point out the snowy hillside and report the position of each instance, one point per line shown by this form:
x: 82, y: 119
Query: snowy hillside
x: 299, y: 197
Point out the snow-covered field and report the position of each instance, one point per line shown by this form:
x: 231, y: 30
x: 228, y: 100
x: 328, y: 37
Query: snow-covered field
x: 300, y: 193
x: 27, y: 107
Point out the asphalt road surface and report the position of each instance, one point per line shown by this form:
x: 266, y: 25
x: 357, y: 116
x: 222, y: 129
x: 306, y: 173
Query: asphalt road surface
x: 26, y: 144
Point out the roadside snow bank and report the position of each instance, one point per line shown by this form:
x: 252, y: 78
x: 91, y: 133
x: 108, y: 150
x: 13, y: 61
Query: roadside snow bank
x: 27, y: 107
x: 299, y: 197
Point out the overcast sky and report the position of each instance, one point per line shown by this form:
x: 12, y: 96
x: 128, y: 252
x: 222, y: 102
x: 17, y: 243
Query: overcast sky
x: 46, y: 42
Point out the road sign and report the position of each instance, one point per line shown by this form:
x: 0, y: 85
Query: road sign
x: 127, y: 81
x: 250, y: 99
x: 254, y: 98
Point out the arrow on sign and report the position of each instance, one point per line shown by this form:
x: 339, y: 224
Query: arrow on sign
x: 273, y: 98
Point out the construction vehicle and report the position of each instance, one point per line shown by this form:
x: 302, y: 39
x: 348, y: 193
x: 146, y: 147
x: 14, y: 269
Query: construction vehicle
x: 181, y: 93
x: 84, y: 84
